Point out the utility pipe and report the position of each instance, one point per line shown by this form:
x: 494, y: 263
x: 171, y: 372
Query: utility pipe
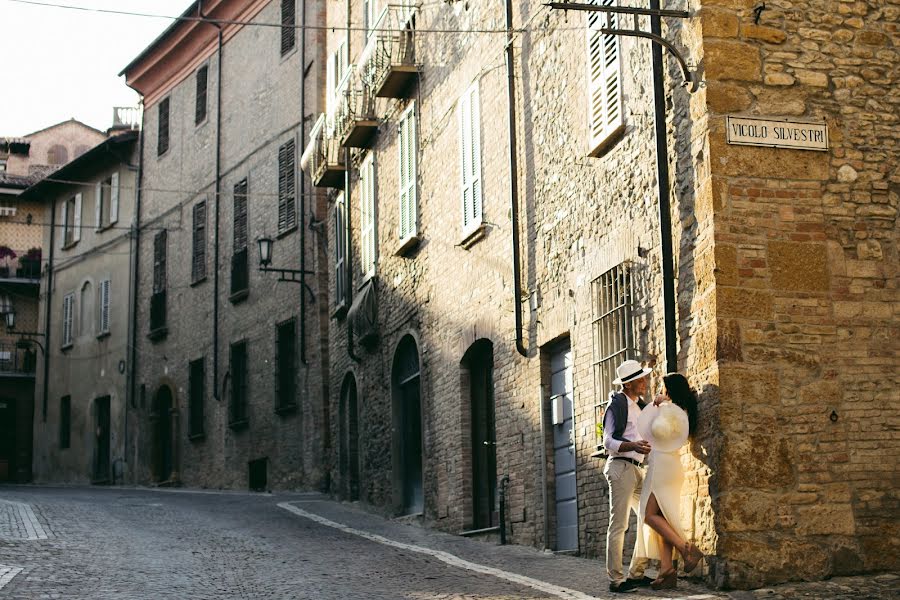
x: 134, y: 246
x: 47, y: 305
x: 302, y: 186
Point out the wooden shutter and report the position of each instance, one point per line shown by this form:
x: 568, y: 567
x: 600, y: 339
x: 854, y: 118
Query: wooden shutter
x: 240, y: 215
x: 162, y: 140
x: 470, y: 161
x: 76, y: 232
x: 114, y: 198
x: 104, y: 306
x: 604, y: 77
x: 68, y: 316
x: 200, y: 107
x: 287, y: 204
x: 367, y: 223
x: 288, y: 20
x: 340, y: 276
x: 198, y: 255
x: 98, y: 204
x: 64, y: 223
x: 159, y: 262
x: 408, y: 204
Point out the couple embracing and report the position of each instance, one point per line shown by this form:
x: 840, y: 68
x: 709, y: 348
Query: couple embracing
x: 636, y: 434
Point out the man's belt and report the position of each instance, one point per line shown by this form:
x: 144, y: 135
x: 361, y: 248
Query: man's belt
x: 636, y: 463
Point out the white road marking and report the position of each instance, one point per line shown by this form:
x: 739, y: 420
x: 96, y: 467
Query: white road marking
x: 455, y: 561
x: 33, y: 528
x: 7, y: 572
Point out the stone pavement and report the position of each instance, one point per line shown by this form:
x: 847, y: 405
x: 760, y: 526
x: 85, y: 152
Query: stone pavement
x: 126, y: 543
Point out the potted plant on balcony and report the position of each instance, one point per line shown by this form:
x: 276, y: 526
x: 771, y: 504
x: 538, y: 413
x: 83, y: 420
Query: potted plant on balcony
x: 6, y: 253
x: 30, y: 264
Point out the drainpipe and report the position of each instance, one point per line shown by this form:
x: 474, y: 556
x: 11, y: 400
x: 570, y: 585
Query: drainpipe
x: 47, y: 305
x: 513, y: 180
x: 131, y: 385
x: 662, y: 175
x: 303, y: 185
x: 217, y: 192
x: 347, y: 220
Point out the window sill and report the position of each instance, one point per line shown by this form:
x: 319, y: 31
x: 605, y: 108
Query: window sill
x: 239, y: 296
x: 286, y: 232
x: 407, y: 244
x: 66, y: 348
x: 286, y: 409
x: 605, y: 145
x: 238, y: 425
x: 339, y: 311
x: 70, y: 245
x: 365, y: 280
x: 158, y: 333
x: 197, y: 437
x: 473, y: 235
x: 103, y: 334
x: 105, y: 227
x: 197, y: 282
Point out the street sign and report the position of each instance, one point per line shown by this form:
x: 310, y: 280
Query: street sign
x: 777, y: 133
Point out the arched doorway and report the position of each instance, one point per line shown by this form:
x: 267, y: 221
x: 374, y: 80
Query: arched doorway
x: 349, y: 432
x: 479, y: 362
x: 407, y: 416
x: 162, y: 419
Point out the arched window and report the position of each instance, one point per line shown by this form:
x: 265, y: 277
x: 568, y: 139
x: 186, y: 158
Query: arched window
x: 407, y: 418
x: 85, y: 322
x: 57, y: 155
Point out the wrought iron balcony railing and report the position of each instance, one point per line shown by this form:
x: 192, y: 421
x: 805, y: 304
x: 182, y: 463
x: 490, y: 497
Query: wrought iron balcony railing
x: 355, y: 121
x: 323, y: 158
x: 17, y: 359
x: 388, y: 62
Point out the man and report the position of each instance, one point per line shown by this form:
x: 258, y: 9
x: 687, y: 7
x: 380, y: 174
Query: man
x: 624, y: 471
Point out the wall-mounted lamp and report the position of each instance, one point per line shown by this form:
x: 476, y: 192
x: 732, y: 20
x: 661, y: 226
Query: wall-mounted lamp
x: 266, y: 250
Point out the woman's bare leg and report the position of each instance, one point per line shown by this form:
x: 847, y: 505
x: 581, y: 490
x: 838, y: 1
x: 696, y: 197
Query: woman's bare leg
x: 655, y: 519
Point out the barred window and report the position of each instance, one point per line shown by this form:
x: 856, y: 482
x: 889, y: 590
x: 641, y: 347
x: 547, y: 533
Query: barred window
x: 613, y: 333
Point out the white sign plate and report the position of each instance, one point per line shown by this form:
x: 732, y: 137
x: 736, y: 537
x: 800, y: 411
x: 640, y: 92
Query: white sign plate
x: 776, y: 133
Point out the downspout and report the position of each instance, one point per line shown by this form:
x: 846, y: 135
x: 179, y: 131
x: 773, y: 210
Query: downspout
x: 513, y: 180
x: 662, y: 175
x: 347, y: 212
x: 303, y: 185
x: 217, y: 194
x: 47, y: 305
x: 131, y: 386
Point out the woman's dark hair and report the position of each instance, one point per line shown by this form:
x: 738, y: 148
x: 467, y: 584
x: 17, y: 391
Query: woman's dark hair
x: 683, y: 396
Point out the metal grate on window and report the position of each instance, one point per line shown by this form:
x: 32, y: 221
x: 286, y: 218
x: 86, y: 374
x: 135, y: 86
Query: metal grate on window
x: 613, y: 333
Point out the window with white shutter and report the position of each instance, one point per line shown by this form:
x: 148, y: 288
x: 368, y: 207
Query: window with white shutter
x: 287, y: 203
x: 470, y: 158
x: 76, y: 221
x: 68, y: 319
x: 340, y: 253
x: 605, y: 114
x: 408, y: 202
x: 98, y: 204
x: 337, y: 68
x: 114, y: 199
x: 106, y: 202
x: 367, y: 222
x: 103, y: 321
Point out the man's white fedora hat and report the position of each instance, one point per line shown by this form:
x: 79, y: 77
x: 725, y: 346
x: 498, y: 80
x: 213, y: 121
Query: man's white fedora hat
x: 629, y: 371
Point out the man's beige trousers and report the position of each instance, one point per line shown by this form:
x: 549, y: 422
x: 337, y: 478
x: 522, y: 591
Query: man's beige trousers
x: 625, y: 481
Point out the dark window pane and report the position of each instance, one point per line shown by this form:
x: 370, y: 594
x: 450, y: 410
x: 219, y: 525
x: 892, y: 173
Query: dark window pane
x: 162, y: 140
x: 200, y: 109
x: 288, y: 20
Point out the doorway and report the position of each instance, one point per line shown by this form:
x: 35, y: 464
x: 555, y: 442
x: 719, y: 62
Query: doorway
x: 7, y: 439
x: 408, y: 427
x: 163, y: 450
x: 349, y: 450
x: 562, y: 422
x: 479, y: 361
x: 102, y: 448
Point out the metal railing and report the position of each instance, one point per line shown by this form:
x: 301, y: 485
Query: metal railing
x: 355, y: 102
x: 324, y: 152
x: 16, y: 359
x: 391, y: 43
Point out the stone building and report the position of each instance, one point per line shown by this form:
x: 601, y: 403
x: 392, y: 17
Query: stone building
x: 79, y: 423
x: 230, y: 363
x: 468, y: 363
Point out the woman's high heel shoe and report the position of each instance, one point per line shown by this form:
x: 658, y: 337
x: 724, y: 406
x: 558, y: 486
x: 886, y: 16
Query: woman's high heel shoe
x: 667, y: 580
x: 692, y: 557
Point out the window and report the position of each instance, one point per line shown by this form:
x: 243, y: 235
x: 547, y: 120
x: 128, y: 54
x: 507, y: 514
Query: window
x: 367, y: 223
x: 106, y: 201
x: 237, y: 413
x: 68, y: 319
x: 103, y: 302
x: 200, y: 107
x: 287, y: 203
x: 197, y: 395
x: 162, y: 139
x: 408, y: 203
x: 240, y: 276
x: 613, y: 329
x: 470, y: 163
x: 86, y: 304
x: 605, y: 116
x: 158, y: 299
x: 286, y: 366
x: 369, y: 16
x: 288, y: 20
x: 340, y: 253
x: 337, y: 68
x: 57, y: 155
x: 70, y: 215
x: 65, y: 421
x: 198, y: 242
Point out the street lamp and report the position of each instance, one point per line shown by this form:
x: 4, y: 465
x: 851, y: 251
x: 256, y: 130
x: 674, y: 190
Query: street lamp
x: 10, y: 320
x: 265, y: 251
x: 266, y: 248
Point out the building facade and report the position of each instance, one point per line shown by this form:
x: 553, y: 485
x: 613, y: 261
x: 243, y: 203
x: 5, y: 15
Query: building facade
x: 483, y: 285
x: 79, y: 424
x: 230, y: 362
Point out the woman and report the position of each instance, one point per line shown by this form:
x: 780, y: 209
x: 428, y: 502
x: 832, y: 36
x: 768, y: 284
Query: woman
x: 667, y: 425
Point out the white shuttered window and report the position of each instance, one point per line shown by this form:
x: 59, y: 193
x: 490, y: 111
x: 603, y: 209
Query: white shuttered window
x: 340, y: 253
x: 605, y: 116
x: 103, y: 318
x: 470, y: 158
x: 367, y: 223
x: 68, y: 319
x: 408, y: 202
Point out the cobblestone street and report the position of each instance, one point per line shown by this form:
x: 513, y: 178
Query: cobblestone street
x: 118, y: 543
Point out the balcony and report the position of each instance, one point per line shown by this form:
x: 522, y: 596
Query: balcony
x: 355, y: 122
x: 388, y: 62
x: 323, y: 158
x: 17, y: 359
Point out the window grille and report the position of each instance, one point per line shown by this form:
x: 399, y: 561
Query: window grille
x: 197, y: 387
x: 287, y: 206
x: 162, y: 139
x: 198, y: 257
x: 237, y: 416
x: 613, y: 333
x: 286, y: 365
x: 288, y: 20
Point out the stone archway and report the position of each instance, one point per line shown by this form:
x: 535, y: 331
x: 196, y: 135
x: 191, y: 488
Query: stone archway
x: 407, y: 419
x: 349, y: 439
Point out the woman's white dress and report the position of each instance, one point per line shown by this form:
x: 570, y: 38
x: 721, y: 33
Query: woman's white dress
x: 663, y: 480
